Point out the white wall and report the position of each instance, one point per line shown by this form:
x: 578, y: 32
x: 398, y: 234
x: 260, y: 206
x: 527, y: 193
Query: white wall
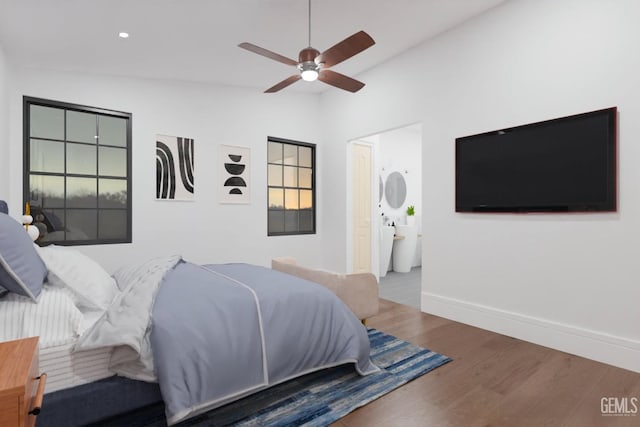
x: 565, y: 281
x: 204, y: 230
x: 4, y: 126
x: 400, y: 150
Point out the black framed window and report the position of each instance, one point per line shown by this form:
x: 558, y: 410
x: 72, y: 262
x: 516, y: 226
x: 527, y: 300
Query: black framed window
x: 291, y: 187
x: 77, y: 172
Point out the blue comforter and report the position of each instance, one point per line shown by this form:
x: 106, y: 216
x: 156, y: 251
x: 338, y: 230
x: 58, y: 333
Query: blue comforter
x: 217, y: 333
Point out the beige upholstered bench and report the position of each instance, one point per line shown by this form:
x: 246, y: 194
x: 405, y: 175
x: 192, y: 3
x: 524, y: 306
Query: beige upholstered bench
x: 359, y: 291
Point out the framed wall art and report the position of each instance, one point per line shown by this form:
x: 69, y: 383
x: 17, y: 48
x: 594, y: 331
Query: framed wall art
x: 235, y: 177
x: 174, y: 168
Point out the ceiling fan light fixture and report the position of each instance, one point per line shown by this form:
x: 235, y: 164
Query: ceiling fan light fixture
x: 309, y: 71
x: 309, y: 75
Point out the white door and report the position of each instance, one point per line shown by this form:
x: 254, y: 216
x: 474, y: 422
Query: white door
x: 361, y: 208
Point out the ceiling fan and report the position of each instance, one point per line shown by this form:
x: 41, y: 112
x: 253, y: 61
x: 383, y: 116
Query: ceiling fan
x: 314, y: 65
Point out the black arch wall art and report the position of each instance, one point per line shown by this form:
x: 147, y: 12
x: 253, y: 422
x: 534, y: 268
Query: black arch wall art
x: 235, y: 179
x: 174, y: 168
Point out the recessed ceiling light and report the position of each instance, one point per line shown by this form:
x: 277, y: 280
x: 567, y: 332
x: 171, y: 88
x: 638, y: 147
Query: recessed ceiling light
x: 123, y: 35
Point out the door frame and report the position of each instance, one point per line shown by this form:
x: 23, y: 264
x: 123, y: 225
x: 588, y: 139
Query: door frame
x: 374, y: 222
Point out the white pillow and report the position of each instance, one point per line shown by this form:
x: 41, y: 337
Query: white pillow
x: 92, y: 285
x: 55, y: 318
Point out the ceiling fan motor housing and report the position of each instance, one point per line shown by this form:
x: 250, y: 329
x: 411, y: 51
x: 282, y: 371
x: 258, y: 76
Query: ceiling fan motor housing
x: 308, y: 55
x: 306, y: 59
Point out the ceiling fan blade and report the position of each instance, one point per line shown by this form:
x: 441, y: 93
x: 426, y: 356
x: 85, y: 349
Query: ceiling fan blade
x: 286, y: 82
x: 264, y: 52
x: 340, y: 81
x: 345, y: 49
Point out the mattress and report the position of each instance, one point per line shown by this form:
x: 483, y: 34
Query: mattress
x: 65, y: 369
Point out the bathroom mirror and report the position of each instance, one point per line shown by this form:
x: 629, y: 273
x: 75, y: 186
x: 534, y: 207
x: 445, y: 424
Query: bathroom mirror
x: 380, y: 189
x: 396, y: 190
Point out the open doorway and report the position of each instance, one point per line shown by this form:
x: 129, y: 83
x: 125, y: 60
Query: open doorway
x: 395, y: 243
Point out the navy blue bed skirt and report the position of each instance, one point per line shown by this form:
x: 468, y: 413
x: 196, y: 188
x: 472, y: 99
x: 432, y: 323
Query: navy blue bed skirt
x: 90, y: 403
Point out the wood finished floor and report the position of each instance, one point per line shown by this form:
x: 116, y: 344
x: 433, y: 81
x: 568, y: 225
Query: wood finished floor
x: 494, y: 380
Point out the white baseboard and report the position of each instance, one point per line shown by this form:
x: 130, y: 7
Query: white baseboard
x: 606, y: 348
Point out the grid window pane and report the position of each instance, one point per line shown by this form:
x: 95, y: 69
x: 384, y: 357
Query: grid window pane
x: 112, y: 193
x: 46, y: 122
x: 112, y: 161
x: 306, y: 220
x: 77, y: 172
x: 305, y: 156
x: 81, y: 159
x: 290, y: 176
x: 46, y: 156
x: 275, y: 152
x: 291, y: 199
x: 276, y: 198
x: 306, y: 199
x: 290, y: 154
x: 276, y: 221
x: 50, y: 223
x: 81, y: 127
x: 112, y: 224
x: 46, y: 191
x: 290, y: 221
x: 305, y: 177
x: 275, y: 175
x: 82, y: 193
x: 82, y: 224
x: 112, y: 131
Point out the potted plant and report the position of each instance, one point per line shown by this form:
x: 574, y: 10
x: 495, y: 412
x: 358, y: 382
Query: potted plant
x: 411, y: 212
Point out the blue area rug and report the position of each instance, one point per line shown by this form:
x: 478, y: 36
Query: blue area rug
x: 316, y: 399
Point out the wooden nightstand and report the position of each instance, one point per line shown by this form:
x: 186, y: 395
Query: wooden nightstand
x: 20, y: 391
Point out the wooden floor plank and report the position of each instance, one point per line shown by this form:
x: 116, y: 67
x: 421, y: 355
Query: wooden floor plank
x: 494, y: 380
x: 615, y: 383
x: 549, y: 395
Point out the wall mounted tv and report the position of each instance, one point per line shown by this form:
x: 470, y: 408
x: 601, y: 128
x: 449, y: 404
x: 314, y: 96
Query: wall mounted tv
x: 561, y: 165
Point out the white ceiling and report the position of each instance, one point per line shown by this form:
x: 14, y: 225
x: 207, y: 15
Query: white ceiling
x: 196, y: 40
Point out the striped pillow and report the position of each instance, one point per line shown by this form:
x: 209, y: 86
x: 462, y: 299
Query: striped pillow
x: 55, y: 318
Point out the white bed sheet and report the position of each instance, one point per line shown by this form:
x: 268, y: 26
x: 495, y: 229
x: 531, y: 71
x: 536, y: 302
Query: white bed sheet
x: 65, y: 369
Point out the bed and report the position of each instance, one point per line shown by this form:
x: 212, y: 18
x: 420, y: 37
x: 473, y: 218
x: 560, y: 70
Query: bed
x: 194, y: 336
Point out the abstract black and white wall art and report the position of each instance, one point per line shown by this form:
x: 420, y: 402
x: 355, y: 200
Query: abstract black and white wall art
x: 235, y: 178
x: 174, y: 168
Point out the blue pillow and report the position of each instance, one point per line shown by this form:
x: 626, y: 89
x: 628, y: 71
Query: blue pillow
x: 21, y: 269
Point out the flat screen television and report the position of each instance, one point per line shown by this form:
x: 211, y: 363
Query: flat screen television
x: 561, y: 165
